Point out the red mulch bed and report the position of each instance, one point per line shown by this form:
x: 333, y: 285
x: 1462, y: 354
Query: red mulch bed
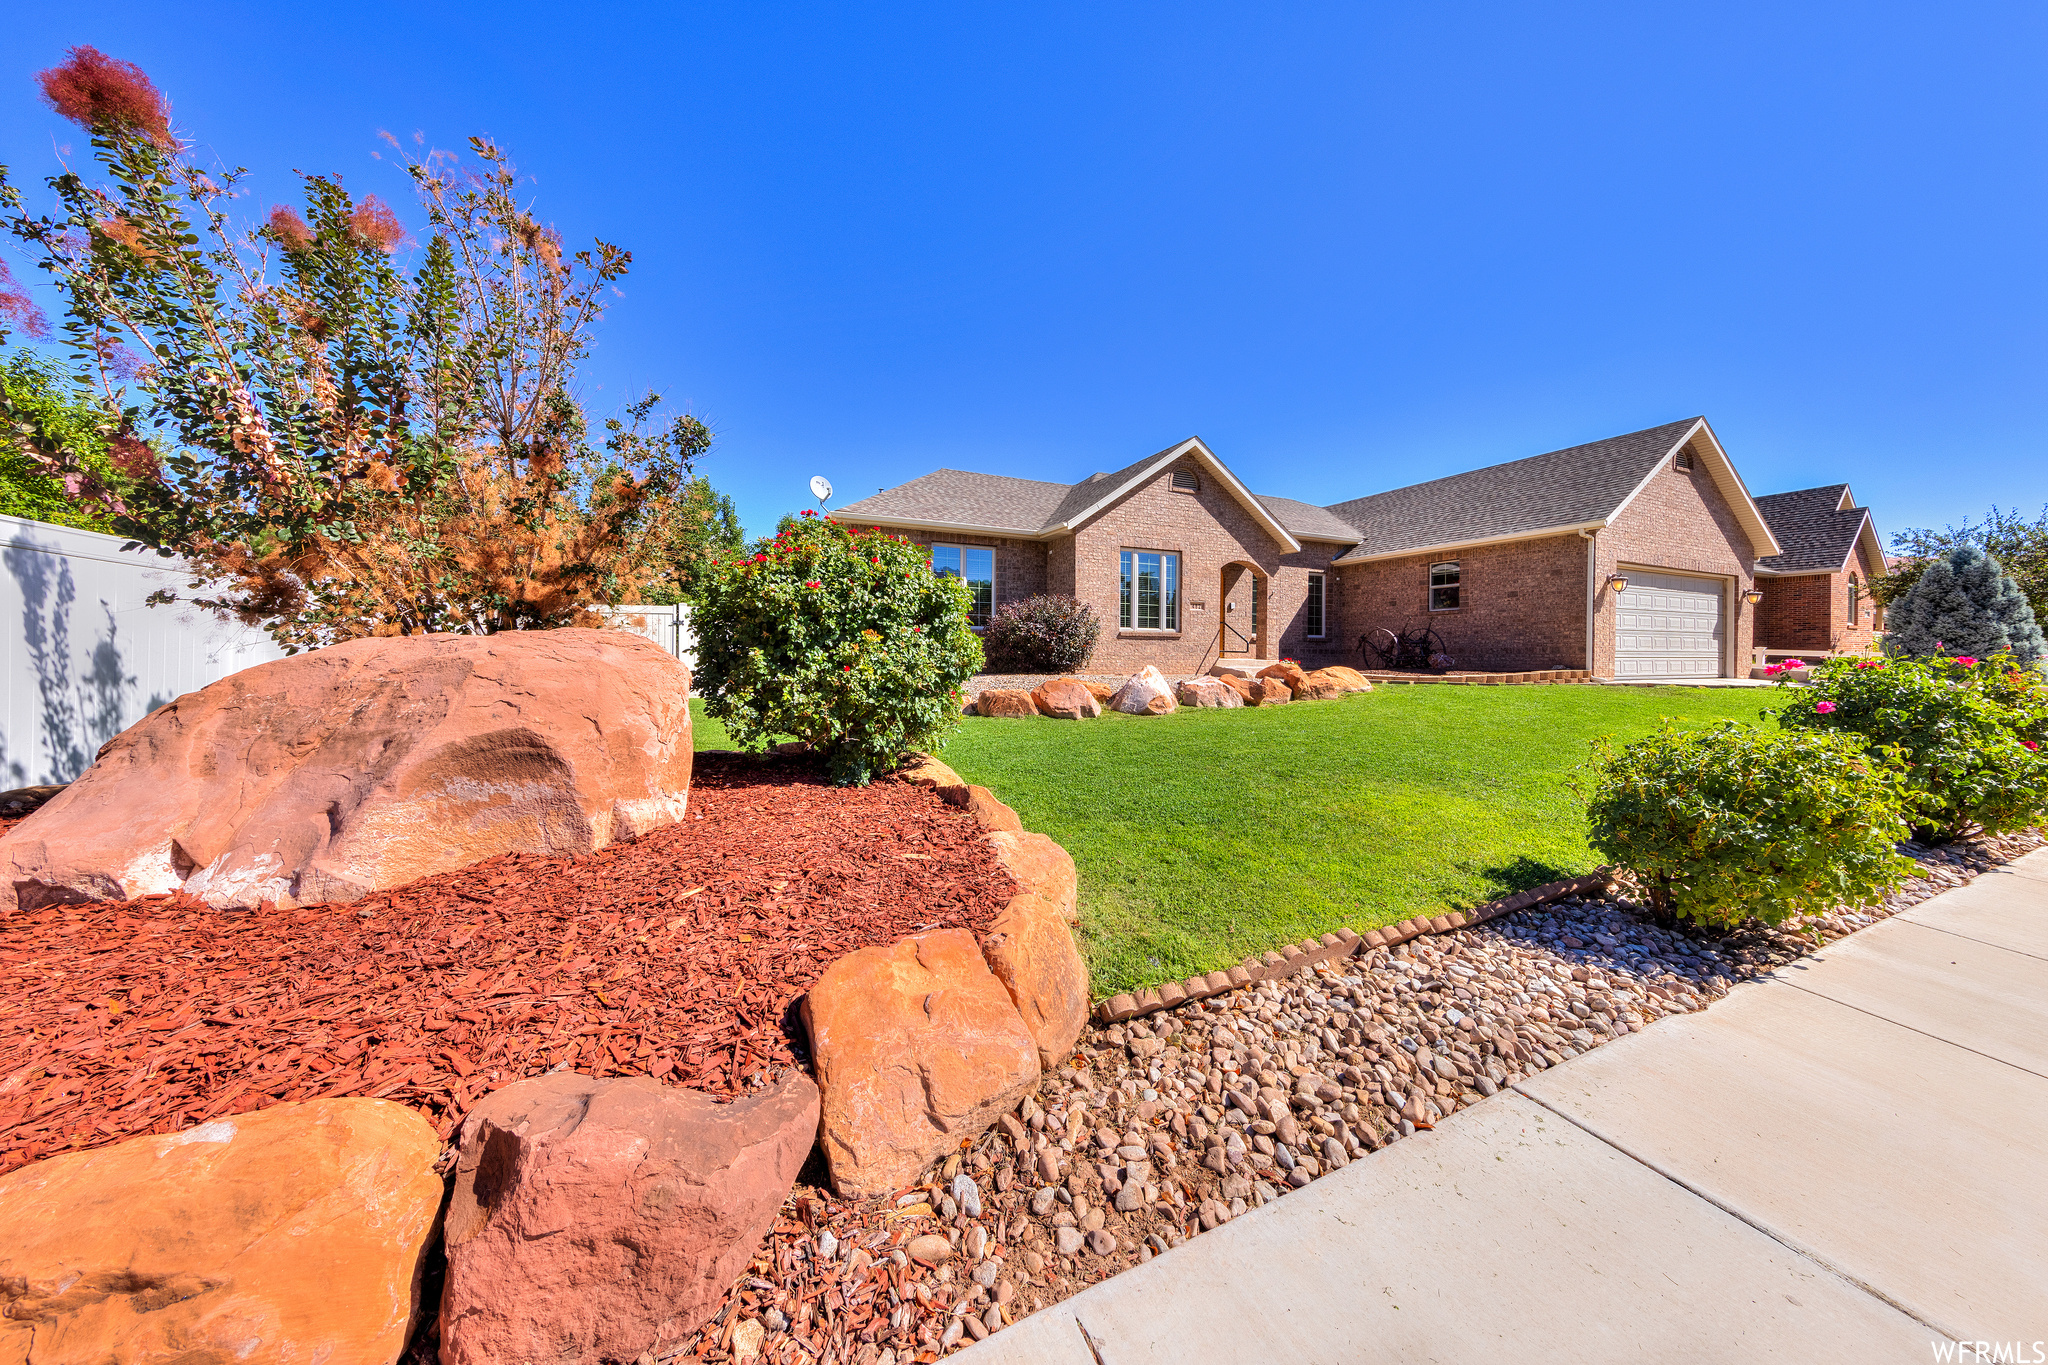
x: 679, y: 956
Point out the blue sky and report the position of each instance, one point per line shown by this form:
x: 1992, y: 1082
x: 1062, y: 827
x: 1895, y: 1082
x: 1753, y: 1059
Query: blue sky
x: 1352, y: 247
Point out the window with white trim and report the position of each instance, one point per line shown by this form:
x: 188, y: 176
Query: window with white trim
x: 1443, y: 586
x: 1315, y: 606
x: 1148, y: 597
x: 974, y: 565
x: 1852, y: 599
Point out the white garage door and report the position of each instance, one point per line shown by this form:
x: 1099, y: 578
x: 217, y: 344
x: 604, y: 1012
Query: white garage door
x: 1668, y: 627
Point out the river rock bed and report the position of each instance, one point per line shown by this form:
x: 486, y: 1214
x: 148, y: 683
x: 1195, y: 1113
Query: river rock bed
x: 1168, y: 1126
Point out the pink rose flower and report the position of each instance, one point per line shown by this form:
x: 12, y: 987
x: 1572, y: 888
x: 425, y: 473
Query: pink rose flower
x: 1794, y: 663
x: 1824, y: 707
x: 2030, y: 744
x: 1966, y: 661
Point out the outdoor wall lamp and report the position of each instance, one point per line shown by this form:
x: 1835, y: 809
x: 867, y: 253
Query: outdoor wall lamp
x: 1618, y: 583
x: 1753, y: 596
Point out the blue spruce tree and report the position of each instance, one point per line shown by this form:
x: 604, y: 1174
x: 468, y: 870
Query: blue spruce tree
x: 1964, y: 604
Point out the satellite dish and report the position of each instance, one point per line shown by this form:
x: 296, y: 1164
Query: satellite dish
x: 821, y: 487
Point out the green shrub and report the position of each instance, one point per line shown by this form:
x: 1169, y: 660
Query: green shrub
x: 1734, y: 822
x: 1049, y: 633
x: 843, y: 639
x: 1970, y: 731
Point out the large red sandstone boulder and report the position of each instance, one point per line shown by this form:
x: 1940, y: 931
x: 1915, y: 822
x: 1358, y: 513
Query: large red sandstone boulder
x: 1041, y: 866
x: 1006, y: 703
x: 1353, y: 680
x: 295, y: 1233
x: 1144, y: 693
x: 917, y: 1046
x: 1065, y: 699
x: 1270, y: 692
x: 1243, y: 687
x: 365, y: 765
x: 1102, y: 692
x: 1287, y: 672
x: 1327, y: 683
x: 1207, y: 692
x: 1031, y: 949
x: 600, y: 1219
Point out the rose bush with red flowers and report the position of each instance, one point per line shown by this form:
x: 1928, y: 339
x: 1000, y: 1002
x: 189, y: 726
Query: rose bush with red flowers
x: 1968, y: 729
x: 843, y: 639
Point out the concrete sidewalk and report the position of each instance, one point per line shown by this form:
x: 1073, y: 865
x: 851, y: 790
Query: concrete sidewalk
x: 1843, y: 1162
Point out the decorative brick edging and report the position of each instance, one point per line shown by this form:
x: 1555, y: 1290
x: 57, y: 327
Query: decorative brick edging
x: 1297, y: 957
x: 1537, y: 676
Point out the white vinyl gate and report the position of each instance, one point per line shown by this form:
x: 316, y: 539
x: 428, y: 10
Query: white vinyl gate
x: 1667, y: 626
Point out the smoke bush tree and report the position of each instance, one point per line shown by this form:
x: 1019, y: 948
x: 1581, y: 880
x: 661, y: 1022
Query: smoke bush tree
x: 1736, y: 822
x: 844, y: 639
x: 1964, y: 604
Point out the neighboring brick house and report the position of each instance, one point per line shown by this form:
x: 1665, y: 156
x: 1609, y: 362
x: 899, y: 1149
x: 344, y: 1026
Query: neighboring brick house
x: 1632, y: 557
x: 1817, y: 595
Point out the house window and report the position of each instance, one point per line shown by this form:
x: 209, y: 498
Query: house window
x: 1852, y: 599
x: 1185, y: 481
x: 1149, y: 595
x: 1315, y: 606
x: 1683, y: 460
x: 974, y: 566
x: 1443, y: 586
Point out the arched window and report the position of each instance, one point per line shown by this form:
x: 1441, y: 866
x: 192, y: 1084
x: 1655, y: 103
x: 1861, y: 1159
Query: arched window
x: 1853, y: 596
x: 1186, y: 481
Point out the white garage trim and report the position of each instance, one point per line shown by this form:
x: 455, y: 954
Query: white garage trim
x: 1672, y: 624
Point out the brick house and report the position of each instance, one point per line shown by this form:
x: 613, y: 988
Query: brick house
x: 1817, y: 596
x: 1633, y: 556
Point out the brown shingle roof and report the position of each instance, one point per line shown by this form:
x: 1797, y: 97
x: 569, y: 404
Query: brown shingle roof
x: 955, y: 497
x: 1570, y: 487
x: 1816, y: 531
x: 1306, y: 519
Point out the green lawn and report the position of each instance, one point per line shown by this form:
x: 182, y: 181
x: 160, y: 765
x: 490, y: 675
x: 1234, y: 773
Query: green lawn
x: 1205, y: 836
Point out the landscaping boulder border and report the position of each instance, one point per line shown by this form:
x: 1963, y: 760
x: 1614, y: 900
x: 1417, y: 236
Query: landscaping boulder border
x: 603, y: 1219
x: 366, y: 765
x: 297, y: 1232
x: 1299, y: 957
x: 1287, y: 672
x: 918, y: 1047
x: 1005, y: 703
x: 1066, y: 699
x: 1144, y: 693
x: 1207, y: 693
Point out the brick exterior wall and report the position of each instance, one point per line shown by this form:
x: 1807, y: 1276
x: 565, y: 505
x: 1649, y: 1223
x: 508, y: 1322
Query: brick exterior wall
x: 1209, y: 530
x: 1679, y: 522
x: 1811, y: 611
x: 1521, y: 604
x: 1020, y: 565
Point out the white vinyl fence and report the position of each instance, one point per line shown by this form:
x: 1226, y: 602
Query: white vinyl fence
x: 668, y: 627
x: 86, y: 657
